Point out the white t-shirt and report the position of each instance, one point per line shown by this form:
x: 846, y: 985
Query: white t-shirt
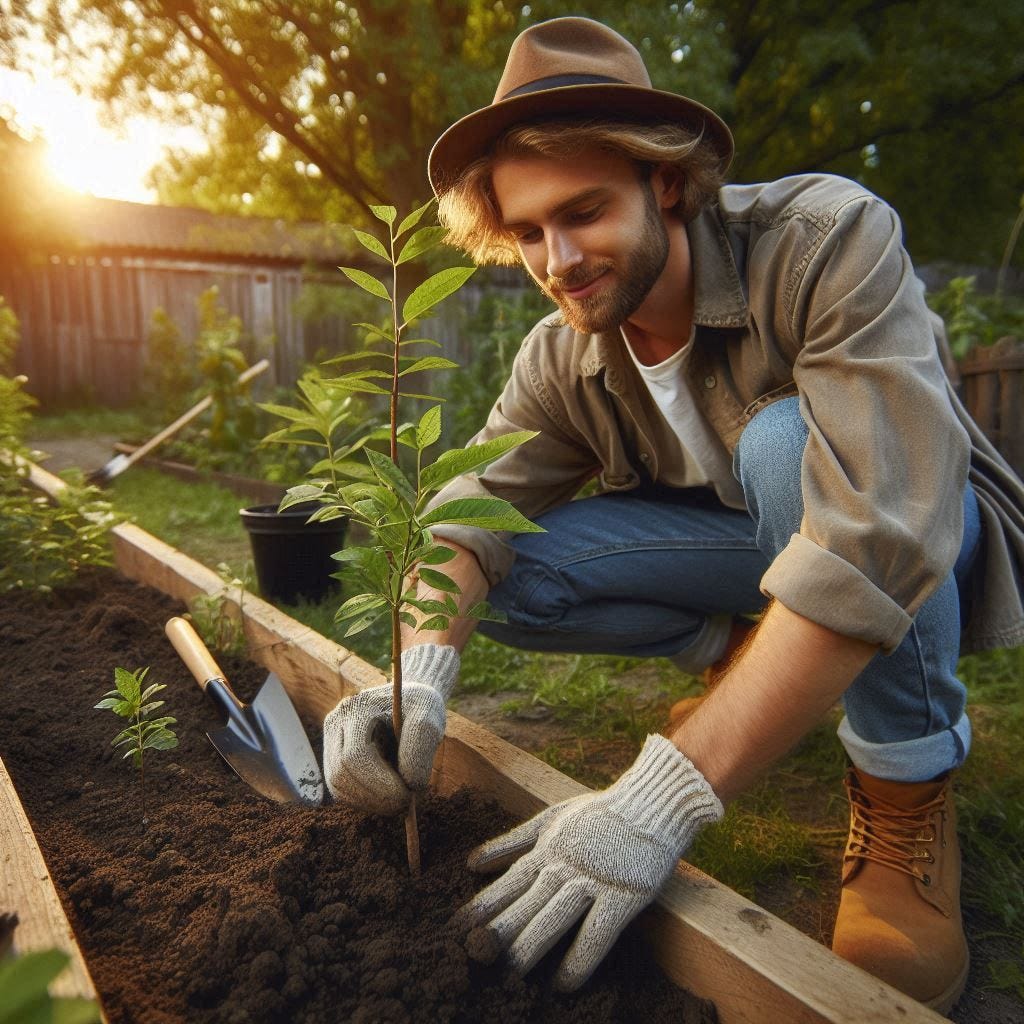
x: 703, y: 458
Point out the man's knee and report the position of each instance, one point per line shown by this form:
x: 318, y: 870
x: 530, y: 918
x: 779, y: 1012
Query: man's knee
x: 533, y: 594
x: 768, y: 460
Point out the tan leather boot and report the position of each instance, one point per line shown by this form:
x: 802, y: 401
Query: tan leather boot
x: 739, y: 633
x: 899, y: 914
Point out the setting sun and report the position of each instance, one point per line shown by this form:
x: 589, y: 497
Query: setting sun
x: 84, y: 155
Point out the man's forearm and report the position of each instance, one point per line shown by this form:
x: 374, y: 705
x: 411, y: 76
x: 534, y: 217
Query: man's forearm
x: 465, y: 570
x: 789, y: 675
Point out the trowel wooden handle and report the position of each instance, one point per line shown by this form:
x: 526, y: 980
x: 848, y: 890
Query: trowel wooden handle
x: 192, y: 651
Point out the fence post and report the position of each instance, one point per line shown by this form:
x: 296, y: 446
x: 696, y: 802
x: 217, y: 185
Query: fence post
x: 993, y: 388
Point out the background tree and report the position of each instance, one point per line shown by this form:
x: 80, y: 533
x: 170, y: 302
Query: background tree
x: 313, y: 109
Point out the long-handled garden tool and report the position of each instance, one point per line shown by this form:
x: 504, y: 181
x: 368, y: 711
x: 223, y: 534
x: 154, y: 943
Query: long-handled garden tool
x: 120, y: 462
x: 264, y: 741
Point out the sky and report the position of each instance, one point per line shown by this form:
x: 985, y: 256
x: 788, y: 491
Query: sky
x: 84, y: 155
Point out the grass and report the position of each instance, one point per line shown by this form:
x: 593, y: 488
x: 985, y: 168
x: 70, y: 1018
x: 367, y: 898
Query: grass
x: 791, y: 827
x: 125, y: 424
x: 198, y: 518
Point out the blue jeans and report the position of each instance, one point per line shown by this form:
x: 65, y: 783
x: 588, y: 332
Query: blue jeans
x: 641, y: 574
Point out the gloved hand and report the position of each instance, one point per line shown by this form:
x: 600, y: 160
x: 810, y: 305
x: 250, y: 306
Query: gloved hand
x: 604, y: 855
x: 355, y: 768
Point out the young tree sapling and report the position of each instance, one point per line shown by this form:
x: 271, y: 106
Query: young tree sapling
x: 374, y: 489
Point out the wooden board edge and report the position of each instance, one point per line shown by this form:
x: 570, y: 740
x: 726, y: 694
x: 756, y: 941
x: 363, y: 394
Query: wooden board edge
x: 27, y: 889
x: 708, y: 939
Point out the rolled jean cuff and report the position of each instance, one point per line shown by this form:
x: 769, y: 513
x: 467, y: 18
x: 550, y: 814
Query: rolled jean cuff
x: 915, y: 760
x: 708, y: 647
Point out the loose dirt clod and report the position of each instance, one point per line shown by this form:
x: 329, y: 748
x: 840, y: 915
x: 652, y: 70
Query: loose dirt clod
x: 234, y: 910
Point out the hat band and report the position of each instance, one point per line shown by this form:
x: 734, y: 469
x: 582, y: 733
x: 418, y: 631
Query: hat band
x: 557, y: 81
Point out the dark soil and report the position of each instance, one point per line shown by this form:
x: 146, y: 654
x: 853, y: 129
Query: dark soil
x: 225, y: 907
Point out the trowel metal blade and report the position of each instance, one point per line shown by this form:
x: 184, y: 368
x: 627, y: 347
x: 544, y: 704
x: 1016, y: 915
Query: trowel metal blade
x: 265, y: 743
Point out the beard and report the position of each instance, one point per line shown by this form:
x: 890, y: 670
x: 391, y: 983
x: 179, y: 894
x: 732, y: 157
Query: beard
x: 638, y: 270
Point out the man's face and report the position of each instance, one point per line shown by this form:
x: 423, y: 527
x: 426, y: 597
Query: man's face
x: 589, y: 231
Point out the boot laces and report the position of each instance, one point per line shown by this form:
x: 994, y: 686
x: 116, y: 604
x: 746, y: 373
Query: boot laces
x: 894, y: 836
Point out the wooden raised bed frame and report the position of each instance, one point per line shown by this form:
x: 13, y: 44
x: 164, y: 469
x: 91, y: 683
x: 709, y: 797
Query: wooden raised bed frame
x: 707, y: 938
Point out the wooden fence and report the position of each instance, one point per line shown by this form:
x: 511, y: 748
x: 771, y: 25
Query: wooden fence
x: 993, y: 391
x: 85, y: 319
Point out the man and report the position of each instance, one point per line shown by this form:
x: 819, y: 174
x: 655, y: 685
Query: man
x: 753, y: 376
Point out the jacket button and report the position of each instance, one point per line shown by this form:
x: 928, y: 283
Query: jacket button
x: 710, y: 382
x: 644, y: 457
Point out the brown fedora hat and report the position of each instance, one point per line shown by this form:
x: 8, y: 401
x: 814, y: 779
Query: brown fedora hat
x: 569, y: 67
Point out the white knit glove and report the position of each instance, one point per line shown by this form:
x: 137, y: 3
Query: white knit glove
x: 603, y: 855
x: 357, y: 730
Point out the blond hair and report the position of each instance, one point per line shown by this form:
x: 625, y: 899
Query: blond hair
x: 469, y: 209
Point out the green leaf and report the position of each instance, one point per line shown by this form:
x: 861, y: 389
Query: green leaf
x: 300, y: 493
x: 75, y: 1011
x: 361, y: 604
x: 421, y: 242
x: 429, y: 429
x: 466, y: 460
x: 487, y: 513
x: 129, y: 684
x: 426, y: 398
x: 284, y: 411
x: 359, y: 625
x: 395, y: 536
x: 391, y: 476
x: 437, y: 554
x: 366, y: 281
x: 437, y: 287
x: 439, y: 581
x: 23, y: 981
x: 427, y: 606
x: 386, y: 333
x: 367, y: 241
x: 435, y: 622
x: 414, y: 218
x: 409, y: 620
x: 362, y: 386
x: 407, y: 435
x: 429, y: 363
x: 420, y: 341
x: 485, y: 611
x: 384, y: 213
x: 351, y: 357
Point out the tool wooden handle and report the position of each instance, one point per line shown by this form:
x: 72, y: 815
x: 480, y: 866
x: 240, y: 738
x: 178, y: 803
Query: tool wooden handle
x: 191, y: 414
x: 192, y: 651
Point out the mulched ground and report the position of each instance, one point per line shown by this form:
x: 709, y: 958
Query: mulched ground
x: 225, y: 907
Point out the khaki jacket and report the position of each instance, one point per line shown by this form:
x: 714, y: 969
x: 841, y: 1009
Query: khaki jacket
x: 802, y: 287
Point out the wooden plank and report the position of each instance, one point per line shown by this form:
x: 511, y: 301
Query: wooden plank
x: 708, y: 939
x: 27, y: 889
x: 1011, y: 423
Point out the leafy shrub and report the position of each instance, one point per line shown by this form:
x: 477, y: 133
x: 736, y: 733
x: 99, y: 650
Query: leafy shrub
x: 43, y: 543
x: 495, y: 330
x: 973, y: 318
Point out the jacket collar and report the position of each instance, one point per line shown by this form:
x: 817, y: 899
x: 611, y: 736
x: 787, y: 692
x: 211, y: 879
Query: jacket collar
x: 718, y: 299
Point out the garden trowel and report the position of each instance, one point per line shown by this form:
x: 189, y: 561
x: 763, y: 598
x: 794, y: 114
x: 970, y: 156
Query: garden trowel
x: 264, y: 742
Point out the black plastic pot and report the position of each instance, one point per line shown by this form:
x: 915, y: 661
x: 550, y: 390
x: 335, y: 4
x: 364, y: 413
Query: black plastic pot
x: 293, y: 557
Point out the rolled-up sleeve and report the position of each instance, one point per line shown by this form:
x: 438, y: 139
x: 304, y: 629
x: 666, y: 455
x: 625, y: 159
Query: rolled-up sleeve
x: 546, y: 471
x: 886, y: 461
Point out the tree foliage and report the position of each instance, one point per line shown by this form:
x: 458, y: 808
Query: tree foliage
x: 315, y: 109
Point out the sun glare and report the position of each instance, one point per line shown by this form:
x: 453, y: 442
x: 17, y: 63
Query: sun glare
x: 83, y: 155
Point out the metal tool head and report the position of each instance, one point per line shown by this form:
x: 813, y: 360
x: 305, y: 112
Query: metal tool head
x: 265, y: 743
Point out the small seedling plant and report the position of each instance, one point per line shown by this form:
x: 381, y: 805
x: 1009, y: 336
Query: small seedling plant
x: 217, y: 617
x: 387, y: 494
x: 130, y: 700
